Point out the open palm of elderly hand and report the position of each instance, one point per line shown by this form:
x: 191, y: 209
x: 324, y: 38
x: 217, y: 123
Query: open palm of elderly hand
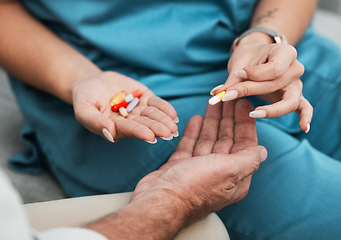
x: 153, y: 116
x: 272, y: 72
x: 213, y: 162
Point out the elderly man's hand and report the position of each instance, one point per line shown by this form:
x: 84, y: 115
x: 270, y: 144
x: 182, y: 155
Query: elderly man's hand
x: 212, y: 165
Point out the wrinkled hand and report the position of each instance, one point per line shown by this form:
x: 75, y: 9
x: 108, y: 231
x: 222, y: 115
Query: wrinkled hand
x: 213, y: 162
x: 272, y: 72
x: 153, y: 117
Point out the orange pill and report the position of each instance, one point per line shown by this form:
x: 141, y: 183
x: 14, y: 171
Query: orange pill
x: 116, y: 107
x: 118, y: 98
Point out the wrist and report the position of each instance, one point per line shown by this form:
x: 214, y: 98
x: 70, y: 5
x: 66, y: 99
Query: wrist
x: 148, y: 216
x: 78, y: 77
x: 175, y: 209
x: 259, y: 34
x: 256, y: 37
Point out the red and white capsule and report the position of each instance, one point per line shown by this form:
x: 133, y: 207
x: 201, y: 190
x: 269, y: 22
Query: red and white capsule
x: 131, y: 96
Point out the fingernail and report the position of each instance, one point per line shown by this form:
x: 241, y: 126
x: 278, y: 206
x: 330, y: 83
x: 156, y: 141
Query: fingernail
x: 176, y: 120
x: 257, y: 114
x: 214, y: 100
x: 152, y: 142
x: 107, y: 135
x: 167, y: 138
x: 241, y: 73
x: 230, y: 95
x: 176, y: 134
x: 211, y: 92
x: 308, y: 128
x: 263, y: 155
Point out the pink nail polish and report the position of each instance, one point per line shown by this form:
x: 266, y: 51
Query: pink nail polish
x: 257, y: 114
x: 230, y: 95
x: 211, y: 92
x: 308, y: 128
x: 107, y: 135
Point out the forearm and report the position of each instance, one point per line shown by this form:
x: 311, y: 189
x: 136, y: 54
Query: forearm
x: 31, y: 52
x: 291, y: 17
x: 160, y: 217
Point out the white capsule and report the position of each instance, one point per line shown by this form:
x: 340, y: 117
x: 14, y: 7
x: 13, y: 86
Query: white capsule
x: 217, y: 98
x: 132, y: 104
x: 123, y: 111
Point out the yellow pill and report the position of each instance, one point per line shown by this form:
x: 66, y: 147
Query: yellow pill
x: 118, y: 98
x: 123, y: 112
x: 217, y: 98
x: 221, y: 94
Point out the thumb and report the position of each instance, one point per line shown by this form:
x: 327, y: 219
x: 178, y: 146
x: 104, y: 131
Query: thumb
x: 249, y: 158
x: 95, y: 121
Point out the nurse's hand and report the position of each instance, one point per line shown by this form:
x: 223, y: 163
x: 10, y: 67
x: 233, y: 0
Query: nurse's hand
x: 272, y: 72
x: 151, y: 118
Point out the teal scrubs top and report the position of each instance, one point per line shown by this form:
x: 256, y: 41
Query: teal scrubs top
x: 180, y: 49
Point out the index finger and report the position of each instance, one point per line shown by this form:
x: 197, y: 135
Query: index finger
x: 187, y: 142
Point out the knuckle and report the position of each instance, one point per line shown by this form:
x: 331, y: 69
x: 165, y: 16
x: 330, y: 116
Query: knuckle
x: 234, y: 171
x: 299, y: 69
x: 300, y: 85
x: 255, y: 166
x: 291, y: 50
x: 273, y: 86
x: 245, y: 89
x: 277, y: 69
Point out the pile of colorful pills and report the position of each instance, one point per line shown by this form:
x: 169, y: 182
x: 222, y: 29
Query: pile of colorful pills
x: 124, y: 103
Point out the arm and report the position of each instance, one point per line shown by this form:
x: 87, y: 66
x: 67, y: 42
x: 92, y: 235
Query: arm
x: 157, y: 217
x: 34, y: 54
x: 289, y: 17
x: 38, y: 57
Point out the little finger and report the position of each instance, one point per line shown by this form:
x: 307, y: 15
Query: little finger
x: 305, y: 110
x: 159, y: 116
x: 289, y: 103
x: 163, y: 106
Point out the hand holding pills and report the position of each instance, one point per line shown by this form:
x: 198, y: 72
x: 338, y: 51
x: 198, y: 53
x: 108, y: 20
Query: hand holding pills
x: 270, y: 71
x: 101, y: 104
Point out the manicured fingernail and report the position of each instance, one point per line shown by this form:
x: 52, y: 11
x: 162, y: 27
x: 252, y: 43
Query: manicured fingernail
x: 152, y: 142
x: 308, y: 128
x: 211, y: 92
x: 263, y: 155
x: 230, y: 95
x: 241, y: 73
x: 214, y: 100
x: 176, y: 134
x: 217, y: 98
x: 107, y: 135
x: 176, y: 120
x: 167, y: 138
x: 257, y: 114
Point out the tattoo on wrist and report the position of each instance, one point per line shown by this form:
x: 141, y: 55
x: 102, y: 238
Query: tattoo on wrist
x: 265, y: 17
